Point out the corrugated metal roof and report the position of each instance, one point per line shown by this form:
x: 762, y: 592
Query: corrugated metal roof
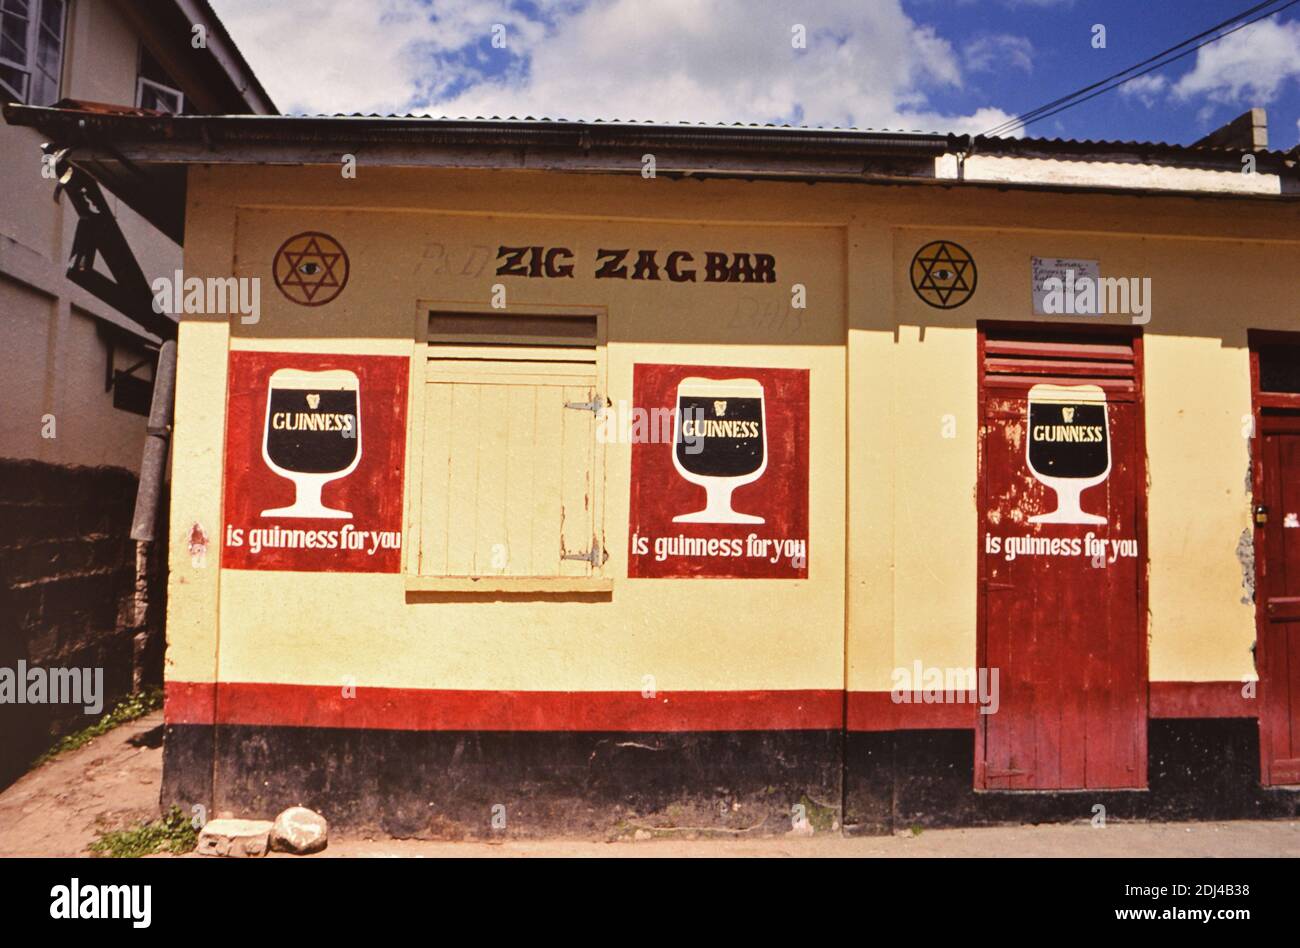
x: 559, y: 120
x: 71, y: 118
x: 76, y: 123
x: 142, y: 157
x: 985, y: 142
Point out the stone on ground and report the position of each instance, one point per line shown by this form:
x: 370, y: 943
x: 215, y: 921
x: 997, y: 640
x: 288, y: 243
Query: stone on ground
x: 299, y: 830
x: 234, y: 838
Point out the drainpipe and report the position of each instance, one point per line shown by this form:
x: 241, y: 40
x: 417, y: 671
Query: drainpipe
x: 144, y: 522
x: 153, y: 467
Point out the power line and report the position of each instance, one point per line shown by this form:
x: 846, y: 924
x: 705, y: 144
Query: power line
x: 1080, y: 96
x: 1162, y: 64
x: 1012, y: 123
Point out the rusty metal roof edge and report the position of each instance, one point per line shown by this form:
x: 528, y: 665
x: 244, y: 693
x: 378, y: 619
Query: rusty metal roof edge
x: 81, y: 125
x: 78, y: 123
x: 183, y: 140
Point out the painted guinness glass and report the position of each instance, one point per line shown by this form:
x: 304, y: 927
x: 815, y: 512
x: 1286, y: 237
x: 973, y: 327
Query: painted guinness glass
x: 312, y: 435
x: 1068, y: 446
x: 719, y: 442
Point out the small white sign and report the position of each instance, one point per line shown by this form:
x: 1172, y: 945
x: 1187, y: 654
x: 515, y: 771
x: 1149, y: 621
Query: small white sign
x: 1043, y: 269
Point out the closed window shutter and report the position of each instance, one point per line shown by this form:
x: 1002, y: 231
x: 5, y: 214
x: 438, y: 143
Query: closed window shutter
x: 510, y: 463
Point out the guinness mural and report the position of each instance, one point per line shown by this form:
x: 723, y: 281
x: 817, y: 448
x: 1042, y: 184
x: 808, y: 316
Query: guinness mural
x: 1066, y: 434
x: 1068, y: 448
x: 315, y: 450
x: 728, y: 498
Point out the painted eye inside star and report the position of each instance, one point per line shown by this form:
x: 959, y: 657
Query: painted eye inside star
x: 943, y: 274
x: 308, y: 268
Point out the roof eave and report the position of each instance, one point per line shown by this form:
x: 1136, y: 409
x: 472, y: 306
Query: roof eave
x: 143, y: 158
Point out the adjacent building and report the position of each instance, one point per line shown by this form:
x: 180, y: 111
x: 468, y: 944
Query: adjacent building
x: 78, y: 370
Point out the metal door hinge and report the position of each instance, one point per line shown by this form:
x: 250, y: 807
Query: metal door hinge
x: 595, y: 556
x: 594, y: 406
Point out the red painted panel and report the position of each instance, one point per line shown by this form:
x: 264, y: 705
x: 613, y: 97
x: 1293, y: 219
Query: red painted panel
x: 686, y: 519
x: 1022, y: 366
x: 409, y: 709
x: 878, y: 711
x: 1062, y: 561
x: 190, y: 702
x: 303, y: 491
x: 1201, y: 699
x: 1277, y: 541
x: 1092, y: 351
x: 196, y: 703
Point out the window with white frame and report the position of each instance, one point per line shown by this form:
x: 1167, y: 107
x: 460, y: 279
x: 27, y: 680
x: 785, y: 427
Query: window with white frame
x: 155, y: 89
x: 31, y: 50
x: 156, y: 96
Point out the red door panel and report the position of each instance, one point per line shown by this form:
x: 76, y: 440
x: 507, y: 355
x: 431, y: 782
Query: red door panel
x: 1278, y: 648
x: 1062, y: 565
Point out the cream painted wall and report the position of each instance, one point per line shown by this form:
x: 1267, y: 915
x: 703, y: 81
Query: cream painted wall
x: 1205, y: 295
x: 332, y: 626
x: 893, y: 504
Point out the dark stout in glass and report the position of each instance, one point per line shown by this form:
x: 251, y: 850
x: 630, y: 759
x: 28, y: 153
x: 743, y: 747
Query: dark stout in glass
x: 311, y: 440
x: 1073, y: 446
x: 714, y: 445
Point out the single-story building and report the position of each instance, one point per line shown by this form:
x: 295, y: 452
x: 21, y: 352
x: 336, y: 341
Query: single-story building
x: 537, y: 477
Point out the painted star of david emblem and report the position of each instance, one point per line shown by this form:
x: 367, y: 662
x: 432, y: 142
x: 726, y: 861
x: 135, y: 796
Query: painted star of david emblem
x: 943, y: 274
x: 311, y: 268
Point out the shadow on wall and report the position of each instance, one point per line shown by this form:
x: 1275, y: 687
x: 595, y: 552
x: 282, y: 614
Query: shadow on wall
x: 68, y: 597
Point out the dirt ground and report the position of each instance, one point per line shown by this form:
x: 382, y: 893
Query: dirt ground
x: 58, y: 809
x: 112, y: 782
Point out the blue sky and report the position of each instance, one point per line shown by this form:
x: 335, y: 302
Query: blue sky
x: 932, y: 65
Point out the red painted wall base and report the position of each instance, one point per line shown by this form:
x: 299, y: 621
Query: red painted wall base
x: 447, y: 710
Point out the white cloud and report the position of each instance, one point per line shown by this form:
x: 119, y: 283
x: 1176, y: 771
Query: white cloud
x: 992, y: 52
x: 1248, y: 67
x: 1145, y: 88
x: 345, y: 56
x: 866, y: 64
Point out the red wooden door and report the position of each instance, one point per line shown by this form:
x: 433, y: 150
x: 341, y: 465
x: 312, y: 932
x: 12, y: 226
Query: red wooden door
x: 1062, y: 524
x: 1278, y: 643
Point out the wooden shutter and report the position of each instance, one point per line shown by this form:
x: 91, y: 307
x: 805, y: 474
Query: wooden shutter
x: 509, y: 475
